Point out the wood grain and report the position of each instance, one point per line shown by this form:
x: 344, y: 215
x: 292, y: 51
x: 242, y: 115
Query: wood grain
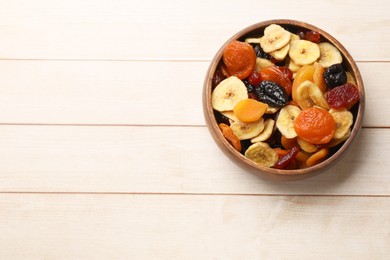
x: 166, y: 160
x: 192, y: 227
x: 171, y: 30
x: 147, y: 93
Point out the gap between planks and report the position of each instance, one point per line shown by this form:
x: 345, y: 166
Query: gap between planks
x: 193, y: 194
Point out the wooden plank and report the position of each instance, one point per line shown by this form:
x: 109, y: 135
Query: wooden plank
x: 167, y: 160
x: 193, y: 227
x: 162, y: 93
x: 172, y: 30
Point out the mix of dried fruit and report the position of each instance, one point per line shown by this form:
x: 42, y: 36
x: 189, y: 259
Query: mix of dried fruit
x: 284, y: 99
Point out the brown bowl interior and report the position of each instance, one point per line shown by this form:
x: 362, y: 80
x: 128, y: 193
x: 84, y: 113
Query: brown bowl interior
x: 241, y: 160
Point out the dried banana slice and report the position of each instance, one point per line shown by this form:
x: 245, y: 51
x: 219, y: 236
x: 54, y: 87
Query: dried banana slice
x: 350, y: 78
x: 335, y: 142
x: 309, y: 95
x: 285, y: 121
x: 329, y: 54
x: 252, y: 40
x: 267, y: 131
x: 304, y: 52
x: 230, y: 115
x: 247, y: 130
x: 275, y: 37
x: 262, y: 63
x: 343, y: 120
x: 292, y: 65
x: 228, y: 93
x: 306, y: 146
x: 281, y: 53
x: 261, y: 153
x: 272, y: 110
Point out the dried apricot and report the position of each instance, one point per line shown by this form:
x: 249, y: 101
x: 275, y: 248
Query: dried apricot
x: 317, y: 157
x: 275, y: 74
x: 315, y: 125
x: 239, y: 58
x: 230, y: 136
x: 249, y: 110
x: 344, y: 96
x: 303, y: 74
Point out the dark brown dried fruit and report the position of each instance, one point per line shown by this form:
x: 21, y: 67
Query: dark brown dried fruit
x: 335, y: 76
x: 271, y: 93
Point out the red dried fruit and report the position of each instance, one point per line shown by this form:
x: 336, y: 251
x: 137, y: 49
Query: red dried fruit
x: 275, y: 74
x: 286, y: 159
x: 287, y: 72
x: 254, y: 79
x: 344, y: 96
x: 313, y: 36
x: 252, y: 96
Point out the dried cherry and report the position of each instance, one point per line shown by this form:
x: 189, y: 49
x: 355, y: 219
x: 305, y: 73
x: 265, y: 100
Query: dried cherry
x: 271, y: 93
x: 254, y: 79
x: 335, y: 76
x: 286, y: 159
x: 313, y: 36
x: 344, y: 96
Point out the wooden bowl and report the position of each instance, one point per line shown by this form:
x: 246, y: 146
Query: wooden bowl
x: 358, y: 110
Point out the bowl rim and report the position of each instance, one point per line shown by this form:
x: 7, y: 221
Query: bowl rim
x: 239, y: 158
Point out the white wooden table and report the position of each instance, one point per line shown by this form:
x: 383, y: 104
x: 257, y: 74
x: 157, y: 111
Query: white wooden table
x: 104, y: 153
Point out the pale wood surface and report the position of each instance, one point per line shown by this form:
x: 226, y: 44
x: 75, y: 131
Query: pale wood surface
x: 104, y: 153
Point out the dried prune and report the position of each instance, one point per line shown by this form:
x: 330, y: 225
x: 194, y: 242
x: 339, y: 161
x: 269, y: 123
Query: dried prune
x: 271, y: 93
x: 249, y: 86
x: 221, y: 118
x: 218, y: 77
x: 344, y: 96
x: 259, y: 52
x: 335, y: 76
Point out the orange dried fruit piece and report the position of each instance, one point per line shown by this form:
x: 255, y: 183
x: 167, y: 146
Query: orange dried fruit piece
x: 277, y: 75
x: 303, y: 74
x: 281, y: 151
x: 302, y: 156
x: 230, y: 136
x: 288, y: 143
x: 239, y: 58
x: 318, y: 77
x: 315, y: 125
x: 318, y: 157
x: 249, y: 110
